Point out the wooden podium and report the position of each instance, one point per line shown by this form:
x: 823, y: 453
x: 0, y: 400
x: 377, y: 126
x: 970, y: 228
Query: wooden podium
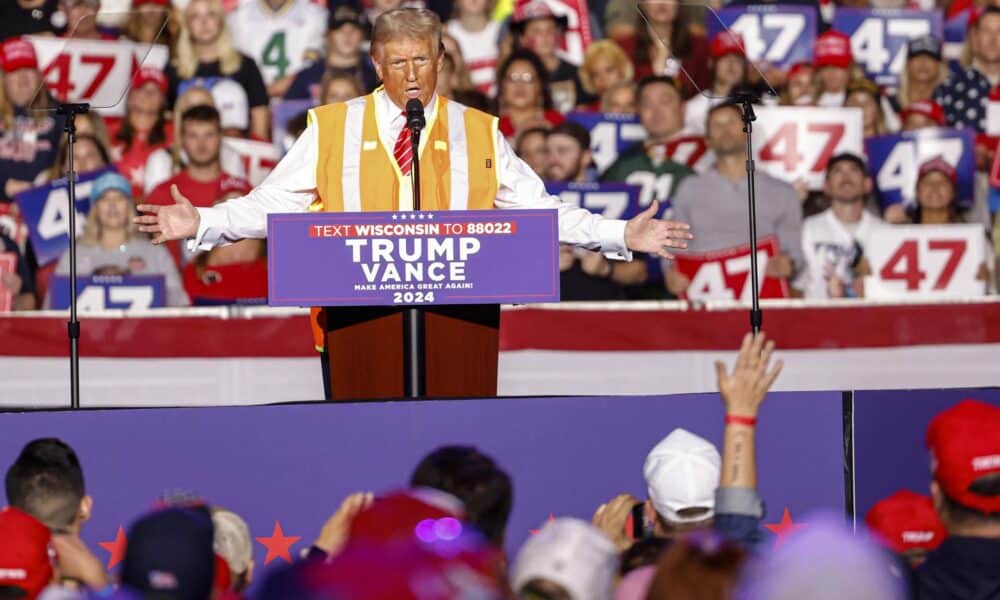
x: 413, y: 308
x: 368, y: 347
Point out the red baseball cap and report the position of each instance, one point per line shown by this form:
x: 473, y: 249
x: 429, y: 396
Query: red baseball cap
x: 906, y: 521
x: 929, y: 108
x: 405, y: 515
x: 832, y: 49
x: 150, y: 75
x: 727, y: 42
x: 24, y: 553
x: 18, y: 53
x: 799, y: 67
x: 965, y: 445
x: 940, y: 165
x: 525, y: 11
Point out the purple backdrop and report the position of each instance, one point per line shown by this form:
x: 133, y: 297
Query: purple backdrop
x: 294, y: 463
x: 889, y: 448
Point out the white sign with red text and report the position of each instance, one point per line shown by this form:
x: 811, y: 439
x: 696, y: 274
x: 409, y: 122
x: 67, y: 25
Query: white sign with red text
x: 258, y: 158
x: 794, y: 143
x: 926, y: 261
x: 725, y: 274
x: 94, y: 71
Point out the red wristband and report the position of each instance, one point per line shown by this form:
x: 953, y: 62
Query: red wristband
x: 737, y: 420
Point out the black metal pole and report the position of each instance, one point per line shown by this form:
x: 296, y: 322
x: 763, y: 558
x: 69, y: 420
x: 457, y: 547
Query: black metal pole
x: 413, y: 318
x: 756, y: 318
x: 73, y: 326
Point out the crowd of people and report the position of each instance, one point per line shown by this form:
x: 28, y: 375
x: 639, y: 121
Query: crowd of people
x: 230, y: 65
x: 697, y: 533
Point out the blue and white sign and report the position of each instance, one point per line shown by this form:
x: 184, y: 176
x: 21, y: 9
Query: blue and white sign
x: 610, y: 134
x: 776, y: 34
x: 879, y: 37
x: 894, y: 161
x: 103, y: 292
x: 45, y: 210
x: 610, y: 200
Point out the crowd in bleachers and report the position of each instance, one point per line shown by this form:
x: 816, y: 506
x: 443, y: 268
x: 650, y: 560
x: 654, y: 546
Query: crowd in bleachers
x: 232, y: 75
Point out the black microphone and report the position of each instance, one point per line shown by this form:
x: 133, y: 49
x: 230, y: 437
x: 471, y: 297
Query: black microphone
x: 415, y: 115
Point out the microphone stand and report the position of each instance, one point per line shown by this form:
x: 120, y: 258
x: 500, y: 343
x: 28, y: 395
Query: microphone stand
x: 746, y: 101
x: 413, y: 318
x: 70, y: 111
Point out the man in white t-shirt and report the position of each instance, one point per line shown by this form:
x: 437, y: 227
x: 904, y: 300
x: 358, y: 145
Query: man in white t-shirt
x: 833, y: 241
x: 282, y: 36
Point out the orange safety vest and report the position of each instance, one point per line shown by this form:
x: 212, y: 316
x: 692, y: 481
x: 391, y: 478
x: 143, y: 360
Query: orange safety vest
x: 356, y: 172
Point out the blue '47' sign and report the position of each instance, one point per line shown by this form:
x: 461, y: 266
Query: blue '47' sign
x: 45, y: 210
x: 780, y: 35
x: 103, y: 292
x: 896, y: 159
x: 610, y: 135
x: 879, y: 37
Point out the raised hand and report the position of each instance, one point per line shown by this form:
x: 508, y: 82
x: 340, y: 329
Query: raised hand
x: 645, y: 233
x: 612, y: 516
x: 173, y: 222
x: 744, y: 389
x: 333, y: 536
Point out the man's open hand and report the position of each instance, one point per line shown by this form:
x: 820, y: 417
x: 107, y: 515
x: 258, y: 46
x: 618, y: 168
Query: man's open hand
x: 172, y: 222
x: 744, y: 389
x: 645, y: 233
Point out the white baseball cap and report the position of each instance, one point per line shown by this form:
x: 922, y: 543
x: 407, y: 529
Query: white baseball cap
x: 231, y: 100
x: 572, y: 554
x: 682, y: 472
x: 232, y: 539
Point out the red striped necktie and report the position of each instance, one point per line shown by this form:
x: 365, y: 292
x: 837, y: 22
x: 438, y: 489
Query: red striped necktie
x: 404, y: 149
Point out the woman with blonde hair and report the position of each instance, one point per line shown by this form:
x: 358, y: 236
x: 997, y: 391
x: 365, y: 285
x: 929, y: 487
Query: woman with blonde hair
x: 29, y: 133
x: 205, y: 51
x: 605, y: 64
x: 923, y: 72
x: 112, y: 245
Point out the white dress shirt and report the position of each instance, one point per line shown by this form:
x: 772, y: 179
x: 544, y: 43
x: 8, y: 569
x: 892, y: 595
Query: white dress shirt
x: 291, y: 188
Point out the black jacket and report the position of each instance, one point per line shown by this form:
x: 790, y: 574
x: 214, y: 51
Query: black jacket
x: 961, y: 568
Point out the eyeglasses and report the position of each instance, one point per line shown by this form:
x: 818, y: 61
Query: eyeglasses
x: 521, y: 77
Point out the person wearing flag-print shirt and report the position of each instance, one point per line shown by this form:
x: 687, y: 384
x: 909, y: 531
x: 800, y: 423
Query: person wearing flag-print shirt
x: 833, y: 241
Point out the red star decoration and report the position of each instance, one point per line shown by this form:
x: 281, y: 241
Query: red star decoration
x: 783, y: 529
x: 552, y: 517
x: 278, y: 544
x: 115, y: 548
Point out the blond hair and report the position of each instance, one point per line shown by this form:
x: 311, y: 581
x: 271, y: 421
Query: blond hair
x: 410, y: 23
x: 607, y: 49
x: 37, y: 111
x: 92, y: 229
x: 186, y: 60
x: 903, y: 93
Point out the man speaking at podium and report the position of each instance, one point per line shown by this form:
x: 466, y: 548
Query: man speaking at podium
x: 356, y: 156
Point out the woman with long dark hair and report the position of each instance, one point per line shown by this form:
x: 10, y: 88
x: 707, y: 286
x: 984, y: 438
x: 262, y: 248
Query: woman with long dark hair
x: 667, y: 43
x: 523, y: 99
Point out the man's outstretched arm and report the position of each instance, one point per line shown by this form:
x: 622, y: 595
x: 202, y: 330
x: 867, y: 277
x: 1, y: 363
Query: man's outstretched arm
x: 291, y: 187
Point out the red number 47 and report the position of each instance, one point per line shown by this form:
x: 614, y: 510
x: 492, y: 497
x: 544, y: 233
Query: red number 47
x: 904, y: 265
x: 783, y: 147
